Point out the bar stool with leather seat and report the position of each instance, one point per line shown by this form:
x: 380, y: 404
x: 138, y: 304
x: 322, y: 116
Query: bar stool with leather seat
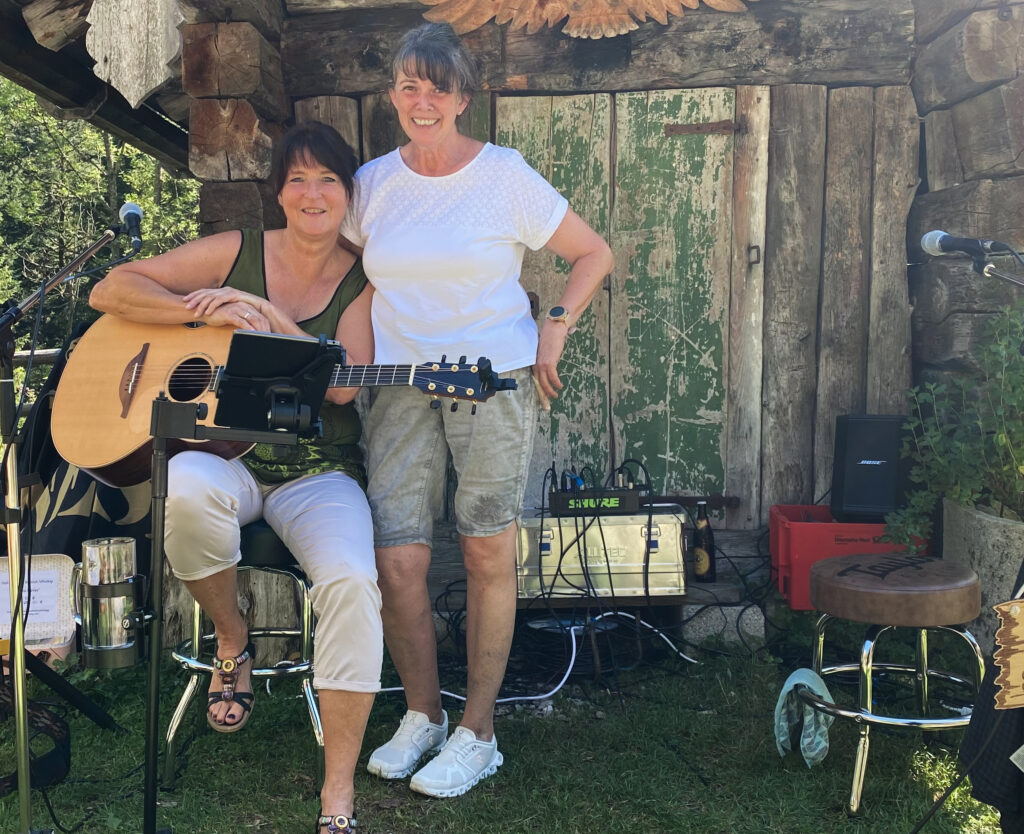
x: 889, y: 591
x: 261, y: 550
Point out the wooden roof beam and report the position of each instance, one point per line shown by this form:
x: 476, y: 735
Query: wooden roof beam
x: 69, y: 85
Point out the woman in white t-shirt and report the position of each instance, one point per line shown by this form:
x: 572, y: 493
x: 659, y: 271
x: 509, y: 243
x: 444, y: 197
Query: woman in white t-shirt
x: 443, y: 223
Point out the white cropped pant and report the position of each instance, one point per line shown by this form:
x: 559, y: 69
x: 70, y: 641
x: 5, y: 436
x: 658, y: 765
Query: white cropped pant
x: 323, y: 520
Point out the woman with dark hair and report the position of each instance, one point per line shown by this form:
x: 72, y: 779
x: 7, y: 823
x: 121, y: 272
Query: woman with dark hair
x: 444, y: 222
x: 294, y: 280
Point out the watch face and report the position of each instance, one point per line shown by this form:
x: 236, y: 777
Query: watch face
x: 557, y: 313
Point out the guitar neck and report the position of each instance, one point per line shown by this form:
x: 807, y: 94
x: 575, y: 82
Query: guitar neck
x: 355, y: 376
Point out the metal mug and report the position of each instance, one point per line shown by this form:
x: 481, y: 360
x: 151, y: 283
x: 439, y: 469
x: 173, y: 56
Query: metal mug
x: 104, y: 598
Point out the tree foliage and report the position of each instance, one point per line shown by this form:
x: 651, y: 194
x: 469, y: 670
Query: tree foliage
x: 64, y: 182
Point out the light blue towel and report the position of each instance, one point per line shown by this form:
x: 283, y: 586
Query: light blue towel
x: 791, y: 710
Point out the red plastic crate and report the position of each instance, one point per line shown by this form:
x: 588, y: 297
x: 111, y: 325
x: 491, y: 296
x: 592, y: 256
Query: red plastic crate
x: 800, y: 535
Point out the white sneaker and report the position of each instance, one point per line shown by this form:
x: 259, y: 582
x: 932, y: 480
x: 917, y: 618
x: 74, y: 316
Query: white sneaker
x: 415, y: 737
x: 463, y: 761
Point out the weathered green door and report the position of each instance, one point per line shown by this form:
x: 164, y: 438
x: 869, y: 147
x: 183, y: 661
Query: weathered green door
x: 646, y: 373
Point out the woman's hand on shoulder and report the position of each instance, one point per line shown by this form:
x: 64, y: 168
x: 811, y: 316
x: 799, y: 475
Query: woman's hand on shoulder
x: 227, y: 306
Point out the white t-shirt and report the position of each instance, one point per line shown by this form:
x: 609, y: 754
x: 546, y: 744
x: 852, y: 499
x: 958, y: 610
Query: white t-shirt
x: 444, y: 255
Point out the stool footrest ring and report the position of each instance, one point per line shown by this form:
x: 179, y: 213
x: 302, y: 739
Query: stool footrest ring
x: 864, y: 717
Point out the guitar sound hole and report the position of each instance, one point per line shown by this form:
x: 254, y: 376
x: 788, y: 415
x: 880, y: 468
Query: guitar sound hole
x: 189, y: 380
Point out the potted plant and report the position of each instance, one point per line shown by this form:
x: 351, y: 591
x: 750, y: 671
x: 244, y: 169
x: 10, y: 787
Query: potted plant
x: 966, y: 450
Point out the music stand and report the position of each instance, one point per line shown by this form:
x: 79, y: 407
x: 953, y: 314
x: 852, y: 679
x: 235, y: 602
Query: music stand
x: 269, y: 391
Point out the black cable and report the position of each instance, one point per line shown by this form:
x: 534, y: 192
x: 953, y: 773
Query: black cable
x: 960, y: 778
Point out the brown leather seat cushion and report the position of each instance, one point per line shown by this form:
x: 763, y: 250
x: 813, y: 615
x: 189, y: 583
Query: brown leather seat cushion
x: 896, y: 589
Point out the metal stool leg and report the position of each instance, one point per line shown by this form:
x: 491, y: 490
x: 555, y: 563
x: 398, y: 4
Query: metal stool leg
x: 171, y: 749
x: 860, y: 763
x: 979, y: 658
x: 818, y: 649
x: 171, y: 752
x: 922, y: 670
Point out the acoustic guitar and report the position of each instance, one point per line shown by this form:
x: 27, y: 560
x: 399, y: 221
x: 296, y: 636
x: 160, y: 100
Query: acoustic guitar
x: 103, y: 403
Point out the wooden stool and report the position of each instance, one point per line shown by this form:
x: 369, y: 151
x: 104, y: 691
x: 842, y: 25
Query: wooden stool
x: 887, y: 591
x: 261, y: 550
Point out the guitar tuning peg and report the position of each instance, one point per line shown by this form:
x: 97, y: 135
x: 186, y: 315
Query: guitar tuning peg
x: 435, y: 404
x: 472, y: 411
x: 455, y: 406
x: 462, y: 359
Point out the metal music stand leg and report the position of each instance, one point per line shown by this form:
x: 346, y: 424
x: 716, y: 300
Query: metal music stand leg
x: 159, y: 497
x: 12, y: 517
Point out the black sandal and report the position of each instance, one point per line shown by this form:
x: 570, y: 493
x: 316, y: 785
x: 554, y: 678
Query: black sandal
x: 226, y: 669
x: 338, y: 824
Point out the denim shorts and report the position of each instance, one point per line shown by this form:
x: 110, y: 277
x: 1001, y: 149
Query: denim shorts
x: 407, y: 446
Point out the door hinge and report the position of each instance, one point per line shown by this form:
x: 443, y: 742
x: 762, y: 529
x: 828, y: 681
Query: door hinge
x: 726, y: 127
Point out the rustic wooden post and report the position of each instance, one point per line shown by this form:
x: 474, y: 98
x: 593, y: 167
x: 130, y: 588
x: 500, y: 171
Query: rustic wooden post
x: 796, y: 166
x: 895, y: 181
x: 746, y: 307
x: 842, y: 352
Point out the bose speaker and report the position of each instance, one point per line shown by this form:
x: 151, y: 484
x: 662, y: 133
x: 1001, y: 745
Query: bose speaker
x: 869, y: 478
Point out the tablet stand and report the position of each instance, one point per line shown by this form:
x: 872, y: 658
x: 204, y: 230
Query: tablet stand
x: 285, y: 402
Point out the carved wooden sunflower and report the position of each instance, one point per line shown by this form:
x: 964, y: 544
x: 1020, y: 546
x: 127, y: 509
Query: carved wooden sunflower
x: 586, y: 18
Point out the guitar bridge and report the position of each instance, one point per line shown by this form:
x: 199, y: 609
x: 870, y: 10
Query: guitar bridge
x: 130, y: 377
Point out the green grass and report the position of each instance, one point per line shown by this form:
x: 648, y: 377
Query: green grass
x: 666, y: 747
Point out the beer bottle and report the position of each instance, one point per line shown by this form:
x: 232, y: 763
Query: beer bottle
x: 703, y: 546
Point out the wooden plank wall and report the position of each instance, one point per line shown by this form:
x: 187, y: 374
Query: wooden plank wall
x: 842, y: 171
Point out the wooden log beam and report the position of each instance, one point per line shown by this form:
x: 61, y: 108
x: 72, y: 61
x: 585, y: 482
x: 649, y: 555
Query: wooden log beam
x: 229, y: 141
x: 989, y: 209
x: 933, y: 17
x: 337, y: 111
x: 63, y: 82
x: 894, y: 182
x: 845, y: 271
x: 806, y: 41
x: 233, y: 60
x: 299, y: 7
x: 265, y: 15
x: 989, y: 131
x: 952, y: 307
x: 942, y: 160
x: 56, y: 23
x: 796, y: 166
x: 978, y: 53
x: 238, y: 205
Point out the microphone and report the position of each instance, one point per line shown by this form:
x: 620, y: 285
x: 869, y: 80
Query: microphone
x: 131, y: 218
x: 938, y: 243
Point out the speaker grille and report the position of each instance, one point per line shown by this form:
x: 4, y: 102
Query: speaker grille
x: 868, y: 474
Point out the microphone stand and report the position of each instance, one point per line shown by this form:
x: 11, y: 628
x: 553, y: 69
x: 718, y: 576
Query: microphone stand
x: 12, y: 518
x: 988, y: 269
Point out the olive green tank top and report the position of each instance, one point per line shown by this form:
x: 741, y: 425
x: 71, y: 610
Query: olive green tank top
x: 338, y: 447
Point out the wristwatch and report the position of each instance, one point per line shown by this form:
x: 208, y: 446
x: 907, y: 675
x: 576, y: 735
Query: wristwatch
x: 559, y: 313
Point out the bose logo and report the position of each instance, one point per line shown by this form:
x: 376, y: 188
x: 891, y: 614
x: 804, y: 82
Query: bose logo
x: 872, y: 462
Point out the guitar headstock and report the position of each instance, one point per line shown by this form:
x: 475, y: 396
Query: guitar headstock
x: 460, y: 381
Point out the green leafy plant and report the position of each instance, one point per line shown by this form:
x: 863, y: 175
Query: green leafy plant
x: 966, y: 439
